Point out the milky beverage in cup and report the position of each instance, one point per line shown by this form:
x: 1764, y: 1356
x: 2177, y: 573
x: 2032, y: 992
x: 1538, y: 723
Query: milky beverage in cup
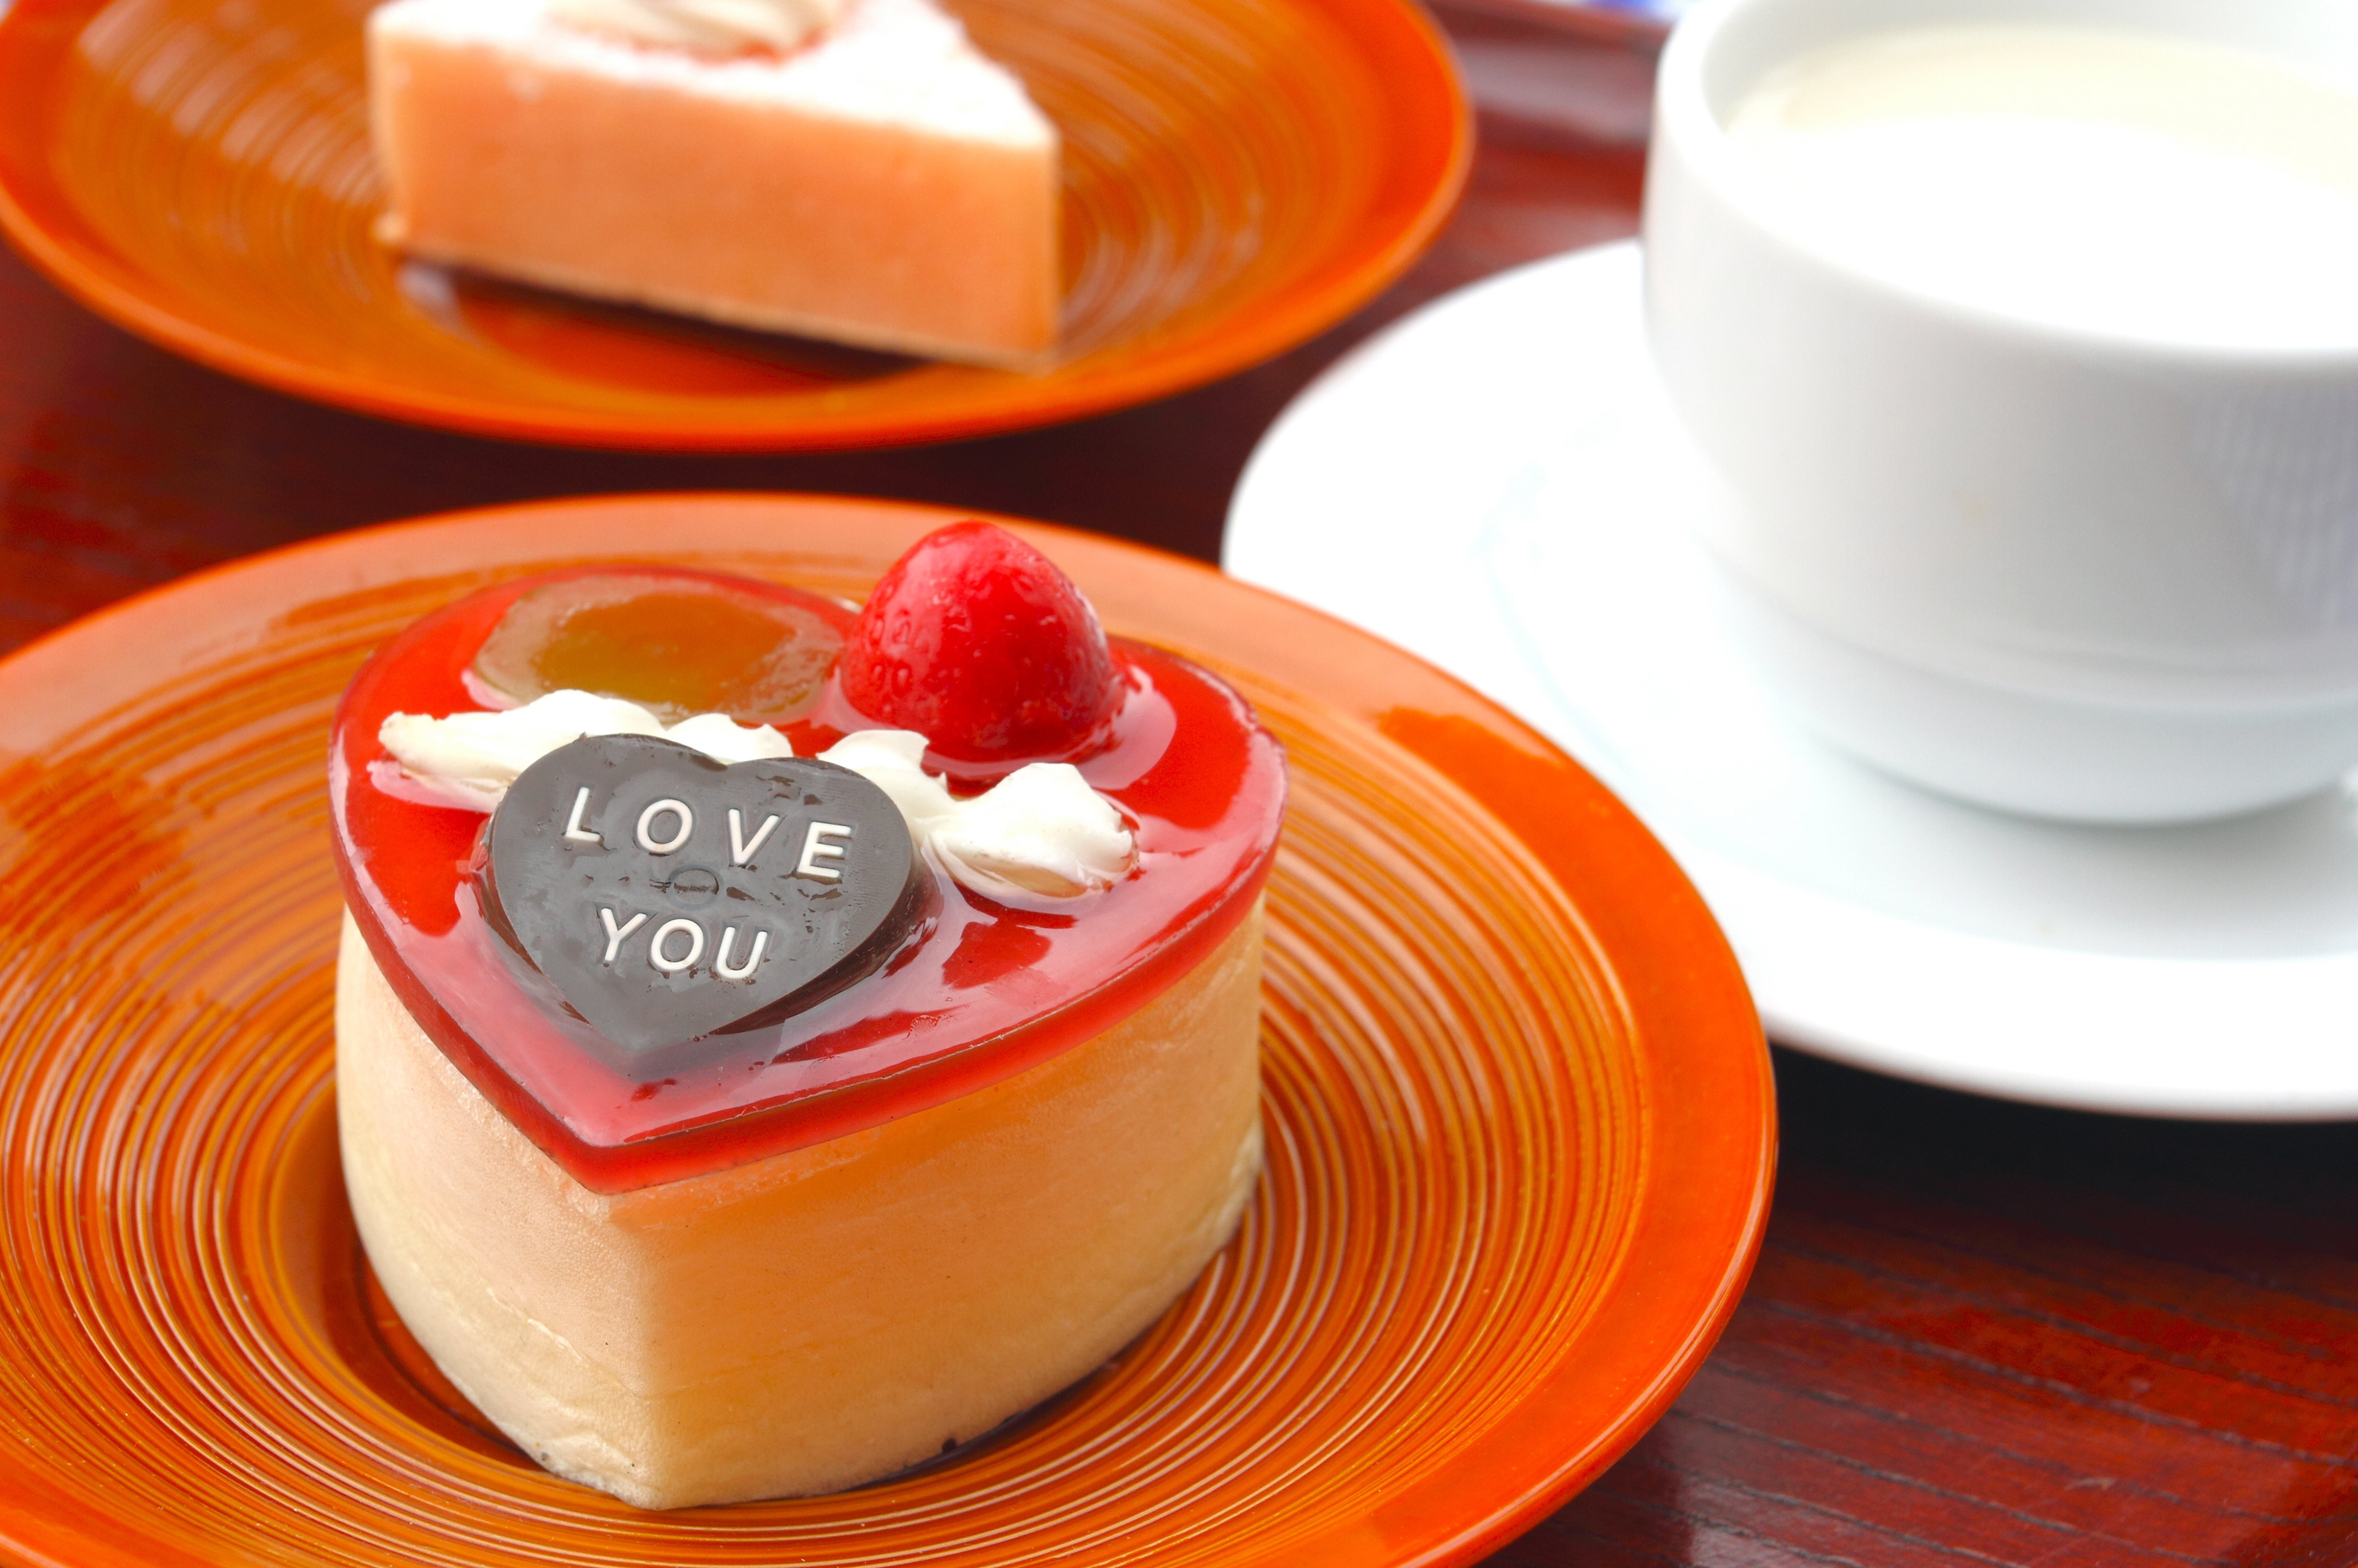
x: 2025, y: 345
x: 2131, y: 185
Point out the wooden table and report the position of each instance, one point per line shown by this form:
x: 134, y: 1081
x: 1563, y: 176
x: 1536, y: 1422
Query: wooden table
x: 1979, y: 1334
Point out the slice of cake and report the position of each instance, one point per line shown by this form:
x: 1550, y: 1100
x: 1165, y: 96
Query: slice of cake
x: 755, y: 1102
x: 876, y: 182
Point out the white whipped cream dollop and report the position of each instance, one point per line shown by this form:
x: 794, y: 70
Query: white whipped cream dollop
x: 469, y: 759
x: 707, y: 27
x: 1041, y: 831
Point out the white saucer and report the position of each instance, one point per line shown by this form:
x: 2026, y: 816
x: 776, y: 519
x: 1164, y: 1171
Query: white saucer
x: 1497, y: 483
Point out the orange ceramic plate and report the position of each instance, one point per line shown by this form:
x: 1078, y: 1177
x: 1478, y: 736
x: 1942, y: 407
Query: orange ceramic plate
x: 1239, y: 174
x: 1519, y: 1116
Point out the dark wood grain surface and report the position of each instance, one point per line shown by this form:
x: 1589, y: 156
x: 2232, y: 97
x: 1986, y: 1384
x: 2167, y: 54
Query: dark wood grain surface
x: 1979, y: 1334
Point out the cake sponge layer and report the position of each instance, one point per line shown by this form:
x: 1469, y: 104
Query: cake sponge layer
x: 887, y: 185
x: 816, y: 1318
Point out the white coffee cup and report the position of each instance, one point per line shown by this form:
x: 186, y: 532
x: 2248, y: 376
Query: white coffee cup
x: 2089, y: 554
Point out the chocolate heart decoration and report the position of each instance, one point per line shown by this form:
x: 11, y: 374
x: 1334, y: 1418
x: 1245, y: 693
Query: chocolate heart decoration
x: 668, y: 895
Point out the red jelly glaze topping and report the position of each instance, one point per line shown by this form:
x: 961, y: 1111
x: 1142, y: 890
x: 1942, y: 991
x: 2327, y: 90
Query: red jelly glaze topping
x: 987, y: 992
x: 970, y: 615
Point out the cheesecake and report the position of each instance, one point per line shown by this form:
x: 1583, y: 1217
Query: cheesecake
x: 847, y: 169
x: 758, y: 1100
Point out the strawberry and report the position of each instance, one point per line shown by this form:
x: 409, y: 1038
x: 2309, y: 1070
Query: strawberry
x: 977, y: 641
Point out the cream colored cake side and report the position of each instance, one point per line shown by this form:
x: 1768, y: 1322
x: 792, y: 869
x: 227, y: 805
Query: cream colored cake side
x: 779, y: 213
x: 821, y: 1318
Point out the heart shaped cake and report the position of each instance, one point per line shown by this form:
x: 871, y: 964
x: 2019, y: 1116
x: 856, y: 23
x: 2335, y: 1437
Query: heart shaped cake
x: 776, y: 1046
